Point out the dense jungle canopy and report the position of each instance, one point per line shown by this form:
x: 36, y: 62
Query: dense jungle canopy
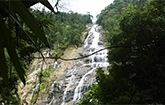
x: 137, y: 71
x: 136, y: 29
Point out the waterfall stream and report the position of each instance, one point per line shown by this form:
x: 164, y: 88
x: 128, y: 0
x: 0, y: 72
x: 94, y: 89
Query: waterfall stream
x: 69, y: 89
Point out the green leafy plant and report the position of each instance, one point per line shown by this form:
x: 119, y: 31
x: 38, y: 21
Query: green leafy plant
x: 136, y: 74
x: 14, y: 10
x: 19, y: 37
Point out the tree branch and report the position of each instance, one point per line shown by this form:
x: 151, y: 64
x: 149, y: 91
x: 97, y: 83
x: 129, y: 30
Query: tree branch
x: 120, y: 46
x: 56, y: 5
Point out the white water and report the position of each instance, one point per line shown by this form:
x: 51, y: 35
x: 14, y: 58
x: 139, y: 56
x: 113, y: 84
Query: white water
x: 101, y: 63
x: 68, y: 90
x: 71, y: 79
x: 77, y: 92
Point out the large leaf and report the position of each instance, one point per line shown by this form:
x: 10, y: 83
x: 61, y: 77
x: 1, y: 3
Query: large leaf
x: 14, y: 58
x: 29, y: 20
x: 47, y: 4
x: 3, y: 66
x: 6, y: 42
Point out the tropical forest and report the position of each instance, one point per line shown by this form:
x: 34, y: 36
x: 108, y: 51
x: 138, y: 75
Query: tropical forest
x: 51, y: 56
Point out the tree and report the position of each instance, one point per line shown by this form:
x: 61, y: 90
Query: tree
x: 136, y: 74
x: 19, y: 34
x: 16, y: 13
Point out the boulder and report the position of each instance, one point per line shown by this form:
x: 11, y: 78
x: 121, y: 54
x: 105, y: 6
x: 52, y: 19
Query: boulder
x: 81, y: 54
x: 90, y: 33
x: 100, y: 43
x: 92, y: 49
x: 85, y: 53
x: 70, y: 95
x: 88, y: 65
x: 98, y: 28
x: 90, y: 41
x: 86, y: 61
x: 96, y: 59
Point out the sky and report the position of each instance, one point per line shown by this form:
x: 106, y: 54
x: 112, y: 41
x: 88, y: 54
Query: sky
x: 94, y: 7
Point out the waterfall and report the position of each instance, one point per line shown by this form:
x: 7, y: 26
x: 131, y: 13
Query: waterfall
x: 71, y: 79
x: 78, y: 90
x: 69, y: 89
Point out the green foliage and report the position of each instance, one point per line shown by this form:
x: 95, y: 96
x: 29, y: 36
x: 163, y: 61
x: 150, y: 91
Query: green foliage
x: 8, y: 93
x: 90, y: 98
x: 93, y: 95
x: 69, y: 28
x: 19, y: 33
x: 23, y: 32
x: 136, y: 74
x: 44, y: 85
x: 46, y: 73
x: 63, y: 29
x: 17, y: 9
x: 17, y: 13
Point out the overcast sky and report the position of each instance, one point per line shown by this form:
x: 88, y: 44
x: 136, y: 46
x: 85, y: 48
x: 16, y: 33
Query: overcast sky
x: 94, y: 7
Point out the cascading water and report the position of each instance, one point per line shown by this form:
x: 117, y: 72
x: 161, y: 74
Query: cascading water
x: 69, y: 89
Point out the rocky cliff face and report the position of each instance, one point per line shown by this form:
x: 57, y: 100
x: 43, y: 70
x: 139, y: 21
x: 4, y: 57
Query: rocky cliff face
x: 32, y: 82
x: 59, y: 69
x: 69, y: 88
x: 60, y: 80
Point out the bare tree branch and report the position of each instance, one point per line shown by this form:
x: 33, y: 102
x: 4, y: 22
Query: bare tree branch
x: 111, y: 47
x: 56, y: 5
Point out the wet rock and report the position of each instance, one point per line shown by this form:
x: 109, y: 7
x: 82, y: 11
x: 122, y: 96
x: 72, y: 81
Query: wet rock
x: 81, y: 54
x: 56, y: 92
x: 98, y: 28
x: 86, y: 47
x: 101, y: 38
x: 90, y: 33
x: 90, y: 41
x: 94, y: 65
x: 76, y: 81
x: 54, y: 65
x: 84, y: 89
x: 100, y: 43
x: 88, y: 65
x: 69, y: 96
x: 79, y: 63
x: 51, y: 66
x: 92, y: 49
x: 68, y: 75
x: 85, y: 53
x: 91, y: 37
x: 86, y: 61
x: 96, y: 59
